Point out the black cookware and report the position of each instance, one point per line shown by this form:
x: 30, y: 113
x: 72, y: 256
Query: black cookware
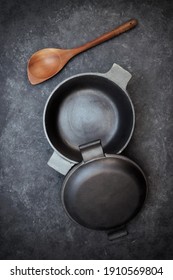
x: 87, y: 107
x: 89, y: 119
x: 103, y: 191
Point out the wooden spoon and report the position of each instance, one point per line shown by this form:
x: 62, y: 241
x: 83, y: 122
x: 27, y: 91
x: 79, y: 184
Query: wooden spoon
x: 46, y: 63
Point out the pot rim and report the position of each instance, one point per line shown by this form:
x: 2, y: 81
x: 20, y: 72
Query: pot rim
x: 79, y: 75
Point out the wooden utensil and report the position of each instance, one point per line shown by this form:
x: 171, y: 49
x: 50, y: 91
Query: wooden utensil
x: 46, y: 63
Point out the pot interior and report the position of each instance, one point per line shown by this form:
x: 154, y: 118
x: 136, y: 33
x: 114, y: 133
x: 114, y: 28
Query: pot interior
x: 85, y: 108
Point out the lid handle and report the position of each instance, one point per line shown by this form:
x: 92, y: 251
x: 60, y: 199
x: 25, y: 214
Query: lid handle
x: 117, y: 233
x: 91, y: 150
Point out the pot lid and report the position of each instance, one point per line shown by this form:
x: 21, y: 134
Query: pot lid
x: 104, y: 191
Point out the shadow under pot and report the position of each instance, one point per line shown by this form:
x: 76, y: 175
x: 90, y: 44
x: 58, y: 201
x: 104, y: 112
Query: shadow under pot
x: 102, y: 190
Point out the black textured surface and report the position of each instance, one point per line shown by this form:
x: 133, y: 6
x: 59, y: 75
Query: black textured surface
x: 33, y: 224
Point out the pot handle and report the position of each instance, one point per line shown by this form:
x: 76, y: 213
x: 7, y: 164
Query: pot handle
x: 118, y: 75
x: 117, y: 233
x: 59, y: 164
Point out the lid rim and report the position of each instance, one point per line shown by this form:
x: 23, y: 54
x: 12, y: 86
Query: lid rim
x: 134, y: 212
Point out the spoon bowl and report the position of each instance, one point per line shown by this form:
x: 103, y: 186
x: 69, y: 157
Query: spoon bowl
x: 46, y: 63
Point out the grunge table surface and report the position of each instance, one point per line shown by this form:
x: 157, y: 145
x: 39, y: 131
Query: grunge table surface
x: 33, y: 224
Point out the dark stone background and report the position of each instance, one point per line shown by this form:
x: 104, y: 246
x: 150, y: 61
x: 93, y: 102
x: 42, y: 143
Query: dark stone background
x: 33, y: 224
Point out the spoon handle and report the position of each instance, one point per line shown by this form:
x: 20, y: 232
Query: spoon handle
x: 115, y: 32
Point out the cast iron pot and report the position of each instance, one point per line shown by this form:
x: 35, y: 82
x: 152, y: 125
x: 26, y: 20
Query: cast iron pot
x: 88, y: 120
x: 87, y: 107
